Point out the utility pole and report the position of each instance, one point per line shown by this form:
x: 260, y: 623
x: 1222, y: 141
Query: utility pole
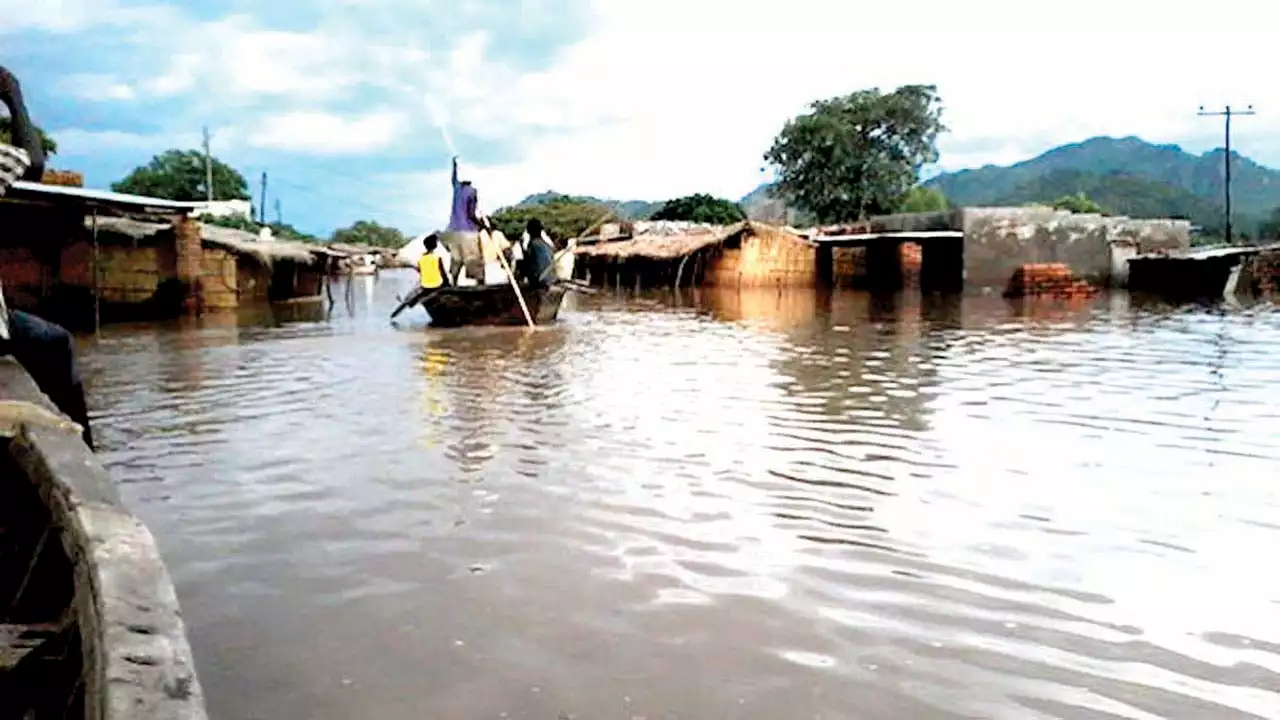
x: 262, y: 206
x: 1227, y: 113
x: 208, y: 167
x: 278, y: 220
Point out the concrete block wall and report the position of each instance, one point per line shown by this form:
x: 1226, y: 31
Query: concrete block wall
x: 998, y: 240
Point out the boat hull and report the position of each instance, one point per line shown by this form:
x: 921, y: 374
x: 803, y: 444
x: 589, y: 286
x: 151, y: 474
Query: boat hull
x: 492, y: 305
x: 89, y: 622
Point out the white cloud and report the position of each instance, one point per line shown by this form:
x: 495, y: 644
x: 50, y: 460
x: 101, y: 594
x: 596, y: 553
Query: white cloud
x: 678, y: 96
x: 76, y: 142
x: 327, y: 134
x: 97, y: 87
x: 669, y: 97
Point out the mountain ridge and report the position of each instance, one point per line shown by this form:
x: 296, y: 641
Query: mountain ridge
x: 1125, y: 175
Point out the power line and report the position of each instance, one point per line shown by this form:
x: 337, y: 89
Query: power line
x: 1227, y: 113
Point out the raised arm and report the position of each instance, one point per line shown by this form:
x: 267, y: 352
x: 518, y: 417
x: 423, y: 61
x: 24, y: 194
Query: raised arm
x: 455, y: 171
x: 24, y: 134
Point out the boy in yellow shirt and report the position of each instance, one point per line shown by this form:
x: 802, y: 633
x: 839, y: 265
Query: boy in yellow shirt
x: 432, y: 272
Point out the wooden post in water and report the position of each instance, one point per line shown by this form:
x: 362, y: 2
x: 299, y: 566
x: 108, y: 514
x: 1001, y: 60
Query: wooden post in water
x: 97, y: 283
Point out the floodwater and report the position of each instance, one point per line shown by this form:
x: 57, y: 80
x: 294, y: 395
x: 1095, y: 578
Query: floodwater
x: 729, y: 506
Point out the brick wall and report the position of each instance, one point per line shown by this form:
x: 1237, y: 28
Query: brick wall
x: 253, y: 281
x: 189, y: 251
x: 218, y: 280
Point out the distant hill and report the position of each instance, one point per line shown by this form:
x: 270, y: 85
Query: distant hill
x: 628, y: 209
x: 760, y: 204
x: 1177, y: 182
x: 1118, y: 193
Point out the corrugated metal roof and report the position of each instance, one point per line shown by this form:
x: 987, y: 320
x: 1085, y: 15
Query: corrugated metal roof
x: 1208, y: 253
x: 30, y: 190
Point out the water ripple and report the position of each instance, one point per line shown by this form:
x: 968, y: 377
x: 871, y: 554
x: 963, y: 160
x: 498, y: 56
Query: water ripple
x: 740, y: 505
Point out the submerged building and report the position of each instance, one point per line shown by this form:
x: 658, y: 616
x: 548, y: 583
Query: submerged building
x: 83, y: 257
x: 937, y: 252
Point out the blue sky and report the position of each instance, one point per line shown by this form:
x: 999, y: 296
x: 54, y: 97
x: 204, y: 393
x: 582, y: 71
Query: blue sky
x: 339, y: 100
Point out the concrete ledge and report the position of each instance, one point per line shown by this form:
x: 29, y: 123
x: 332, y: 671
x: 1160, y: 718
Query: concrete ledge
x: 137, y: 660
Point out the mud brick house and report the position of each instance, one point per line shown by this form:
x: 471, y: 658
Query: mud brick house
x: 747, y: 254
x: 82, y: 257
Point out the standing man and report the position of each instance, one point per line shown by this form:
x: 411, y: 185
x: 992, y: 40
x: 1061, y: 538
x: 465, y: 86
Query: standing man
x: 462, y: 237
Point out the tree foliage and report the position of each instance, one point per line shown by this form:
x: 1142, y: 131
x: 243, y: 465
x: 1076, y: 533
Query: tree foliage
x: 180, y: 175
x: 367, y: 232
x: 920, y: 199
x: 859, y: 154
x: 1078, y: 203
x: 6, y: 136
x: 235, y: 222
x: 281, y: 231
x: 563, y: 217
x: 701, y: 208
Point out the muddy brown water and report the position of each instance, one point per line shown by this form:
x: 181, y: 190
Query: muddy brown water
x: 754, y: 505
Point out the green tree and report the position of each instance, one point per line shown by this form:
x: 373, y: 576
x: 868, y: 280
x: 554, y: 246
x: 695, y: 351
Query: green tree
x: 180, y: 175
x: 367, y: 232
x: 235, y: 222
x: 562, y: 216
x: 921, y: 199
x: 281, y: 231
x: 6, y: 136
x: 700, y: 208
x: 1078, y: 203
x: 857, y: 155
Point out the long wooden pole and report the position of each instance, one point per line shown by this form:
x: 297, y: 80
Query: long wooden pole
x: 97, y: 279
x: 514, y: 285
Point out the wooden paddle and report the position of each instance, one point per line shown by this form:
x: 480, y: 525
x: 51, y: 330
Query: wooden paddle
x: 502, y: 258
x: 416, y: 298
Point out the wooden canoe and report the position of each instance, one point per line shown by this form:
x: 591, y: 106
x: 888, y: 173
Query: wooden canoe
x: 491, y: 304
x: 89, y: 622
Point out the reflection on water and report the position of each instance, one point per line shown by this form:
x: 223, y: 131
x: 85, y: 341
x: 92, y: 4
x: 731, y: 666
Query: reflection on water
x: 754, y: 505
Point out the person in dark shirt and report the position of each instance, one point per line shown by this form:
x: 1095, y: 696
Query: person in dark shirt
x: 45, y: 350
x: 539, y: 253
x: 48, y: 353
x: 23, y: 134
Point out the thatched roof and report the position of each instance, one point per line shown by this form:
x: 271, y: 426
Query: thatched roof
x: 237, y: 242
x: 672, y: 246
x: 348, y: 249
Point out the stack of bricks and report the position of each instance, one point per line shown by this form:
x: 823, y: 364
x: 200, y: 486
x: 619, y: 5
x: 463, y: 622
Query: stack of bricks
x: 1265, y: 269
x: 1048, y: 279
x: 65, y: 178
x: 911, y: 257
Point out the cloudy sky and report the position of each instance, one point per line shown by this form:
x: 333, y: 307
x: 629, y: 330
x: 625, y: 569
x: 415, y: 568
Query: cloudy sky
x: 341, y: 101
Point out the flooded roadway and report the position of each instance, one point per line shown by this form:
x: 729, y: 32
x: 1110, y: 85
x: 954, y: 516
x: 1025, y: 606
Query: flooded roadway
x: 754, y: 506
